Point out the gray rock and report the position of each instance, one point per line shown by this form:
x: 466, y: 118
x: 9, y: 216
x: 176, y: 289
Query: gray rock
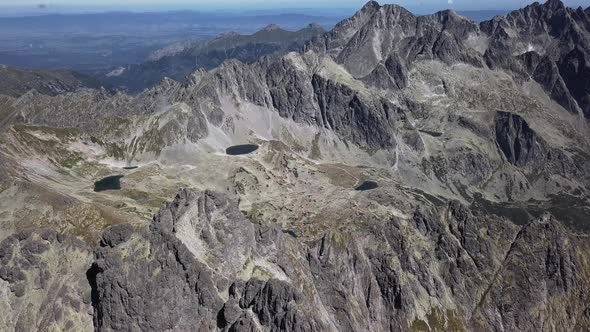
x: 155, y: 280
x: 152, y: 284
x: 348, y: 114
x: 116, y: 235
x: 43, y: 282
x: 541, y: 264
x: 518, y: 142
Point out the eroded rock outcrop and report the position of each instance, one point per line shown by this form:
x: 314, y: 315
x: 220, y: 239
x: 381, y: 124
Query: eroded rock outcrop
x: 445, y: 269
x: 542, y: 284
x: 152, y: 283
x: 558, y: 36
x: 43, y: 283
x: 518, y: 142
x: 201, y: 266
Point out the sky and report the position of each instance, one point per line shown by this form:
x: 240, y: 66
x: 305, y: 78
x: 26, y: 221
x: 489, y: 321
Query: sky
x: 141, y: 5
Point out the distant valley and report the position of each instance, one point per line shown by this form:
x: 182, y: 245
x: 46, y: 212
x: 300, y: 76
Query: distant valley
x: 90, y: 41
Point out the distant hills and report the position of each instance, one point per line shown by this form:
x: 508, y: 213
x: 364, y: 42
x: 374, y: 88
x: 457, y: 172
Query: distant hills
x: 147, y: 46
x: 180, y: 62
x: 15, y: 82
x: 86, y: 42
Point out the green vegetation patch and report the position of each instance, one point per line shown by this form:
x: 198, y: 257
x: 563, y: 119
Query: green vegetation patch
x: 291, y: 141
x: 315, y: 152
x: 439, y: 321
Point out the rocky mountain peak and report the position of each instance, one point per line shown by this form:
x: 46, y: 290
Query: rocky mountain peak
x: 554, y: 4
x: 376, y: 34
x: 227, y: 34
x: 369, y: 8
x: 552, y: 13
x: 271, y: 27
x: 345, y: 29
x: 314, y: 26
x: 560, y: 36
x: 394, y: 9
x: 449, y: 15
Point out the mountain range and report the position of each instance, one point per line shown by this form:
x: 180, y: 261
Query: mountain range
x: 93, y: 41
x: 396, y: 173
x: 180, y: 61
x: 15, y: 82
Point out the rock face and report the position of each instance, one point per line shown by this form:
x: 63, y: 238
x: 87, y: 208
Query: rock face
x: 352, y: 80
x: 345, y: 112
x: 157, y: 287
x: 270, y: 41
x: 558, y: 36
x: 209, y: 268
x: 389, y: 36
x: 517, y: 141
x: 382, y: 277
x: 15, y: 82
x: 541, y: 251
x: 43, y: 283
x: 443, y: 269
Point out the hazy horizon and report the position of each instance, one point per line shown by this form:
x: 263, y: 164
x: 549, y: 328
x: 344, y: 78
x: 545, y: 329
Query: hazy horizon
x: 31, y: 7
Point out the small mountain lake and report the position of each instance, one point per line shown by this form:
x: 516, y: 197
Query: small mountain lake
x: 130, y: 167
x: 431, y: 133
x: 109, y: 183
x: 367, y: 185
x: 241, y: 149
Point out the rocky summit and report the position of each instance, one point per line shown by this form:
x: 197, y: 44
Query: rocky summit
x: 396, y: 173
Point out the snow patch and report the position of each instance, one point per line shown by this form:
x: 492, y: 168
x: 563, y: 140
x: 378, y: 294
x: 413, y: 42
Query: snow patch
x: 522, y: 49
x: 333, y: 71
x: 477, y: 42
x: 271, y: 268
x: 297, y: 61
x: 530, y: 48
x: 43, y: 136
x: 88, y: 149
x: 116, y: 72
x: 376, y: 44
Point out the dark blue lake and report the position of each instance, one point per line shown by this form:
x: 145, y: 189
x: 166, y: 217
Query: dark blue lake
x: 367, y: 185
x: 241, y: 149
x: 109, y: 183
